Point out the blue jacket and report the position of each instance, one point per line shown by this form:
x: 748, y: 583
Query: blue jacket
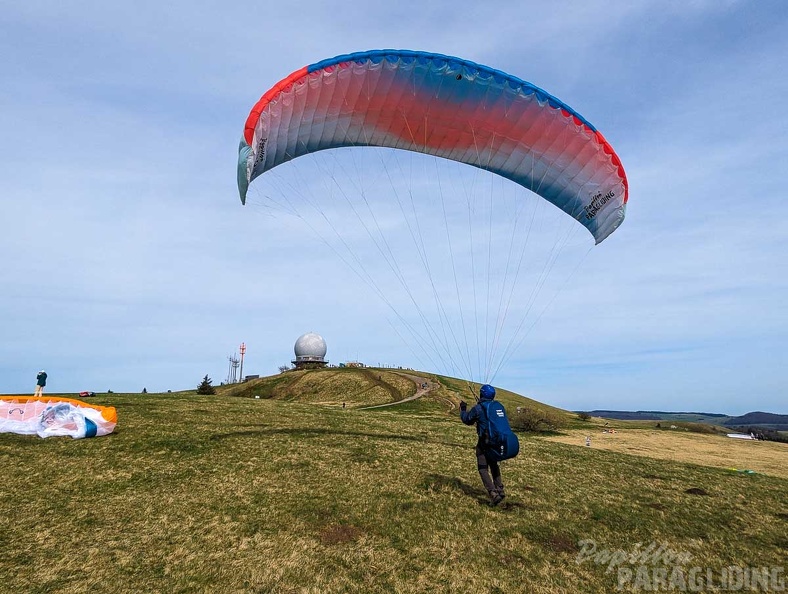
x: 473, y: 415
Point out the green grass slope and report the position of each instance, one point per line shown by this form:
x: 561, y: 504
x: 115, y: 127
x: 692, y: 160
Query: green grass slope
x: 330, y: 386
x: 371, y: 386
x: 222, y: 494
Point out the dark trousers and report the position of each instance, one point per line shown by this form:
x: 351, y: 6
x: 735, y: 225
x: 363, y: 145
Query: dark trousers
x: 485, y: 467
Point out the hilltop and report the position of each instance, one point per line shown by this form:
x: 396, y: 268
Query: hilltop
x: 367, y: 387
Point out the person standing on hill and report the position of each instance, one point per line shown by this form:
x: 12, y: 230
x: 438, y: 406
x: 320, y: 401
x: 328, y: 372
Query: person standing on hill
x: 496, y: 440
x: 41, y: 381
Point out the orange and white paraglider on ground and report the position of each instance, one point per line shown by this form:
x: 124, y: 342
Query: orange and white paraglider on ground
x: 55, y: 417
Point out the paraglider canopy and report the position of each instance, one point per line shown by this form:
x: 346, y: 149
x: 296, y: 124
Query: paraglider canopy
x: 55, y: 417
x: 443, y: 106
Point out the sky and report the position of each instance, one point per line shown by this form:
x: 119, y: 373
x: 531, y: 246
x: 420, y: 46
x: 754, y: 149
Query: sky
x: 128, y: 261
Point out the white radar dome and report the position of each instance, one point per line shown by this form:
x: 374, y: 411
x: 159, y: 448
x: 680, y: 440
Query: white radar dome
x: 310, y: 347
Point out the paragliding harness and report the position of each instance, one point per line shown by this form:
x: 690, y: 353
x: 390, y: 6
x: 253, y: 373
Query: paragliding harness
x: 497, y: 438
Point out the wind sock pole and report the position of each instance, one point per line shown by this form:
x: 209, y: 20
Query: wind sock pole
x: 243, y: 351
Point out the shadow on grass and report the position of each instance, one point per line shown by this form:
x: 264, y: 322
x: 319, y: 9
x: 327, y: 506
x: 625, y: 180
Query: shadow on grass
x: 441, y: 481
x: 319, y: 432
x: 514, y: 505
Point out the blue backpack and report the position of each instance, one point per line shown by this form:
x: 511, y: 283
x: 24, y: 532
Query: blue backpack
x: 500, y: 442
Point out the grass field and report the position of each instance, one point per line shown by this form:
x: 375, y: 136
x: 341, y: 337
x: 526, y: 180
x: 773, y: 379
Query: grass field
x: 236, y: 494
x: 709, y: 450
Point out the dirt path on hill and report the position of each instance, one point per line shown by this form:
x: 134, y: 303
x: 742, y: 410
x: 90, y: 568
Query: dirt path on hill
x: 420, y: 390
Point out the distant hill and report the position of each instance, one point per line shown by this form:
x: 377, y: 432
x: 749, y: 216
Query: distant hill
x: 757, y: 419
x: 760, y: 419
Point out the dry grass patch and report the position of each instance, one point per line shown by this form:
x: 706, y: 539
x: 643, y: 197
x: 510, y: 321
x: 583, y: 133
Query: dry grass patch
x: 680, y: 446
x: 340, y: 534
x: 561, y: 543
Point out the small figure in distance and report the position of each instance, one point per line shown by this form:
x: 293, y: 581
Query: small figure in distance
x: 41, y: 381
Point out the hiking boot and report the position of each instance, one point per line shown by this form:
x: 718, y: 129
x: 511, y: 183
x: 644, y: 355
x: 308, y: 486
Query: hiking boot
x: 495, y: 498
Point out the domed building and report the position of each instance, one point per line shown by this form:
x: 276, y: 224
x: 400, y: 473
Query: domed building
x: 310, y: 351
